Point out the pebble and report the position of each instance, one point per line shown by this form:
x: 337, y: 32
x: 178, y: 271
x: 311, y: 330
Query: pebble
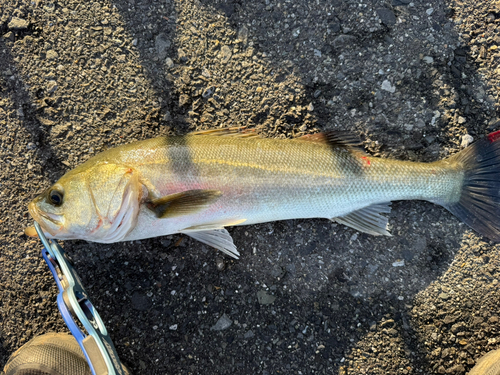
x: 51, y: 86
x: 444, y: 296
x: 429, y: 11
x: 209, y: 91
x: 243, y: 35
x: 223, y: 323
x: 17, y: 23
x: 386, y: 16
x: 249, y: 334
x: 173, y: 327
x: 428, y: 59
x: 162, y: 44
x: 343, y: 40
x: 226, y: 54
x: 387, y: 86
x: 169, y: 62
x: 52, y: 55
x: 398, y: 263
x: 265, y: 298
x: 466, y: 140
x: 219, y: 261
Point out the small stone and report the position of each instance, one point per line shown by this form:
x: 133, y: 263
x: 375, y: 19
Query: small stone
x: 51, y: 86
x: 310, y: 107
x: 162, y: 45
x: 243, y: 35
x: 296, y: 33
x: 220, y: 264
x: 444, y: 296
x: 9, y: 35
x: 173, y: 327
x: 429, y: 11
x: 183, y: 100
x: 420, y: 123
x: 461, y: 120
x: 208, y: 92
x: 386, y: 16
x: 223, y: 323
x: 169, y: 62
x: 428, y: 59
x: 51, y: 54
x: 140, y: 301
x: 17, y: 23
x: 343, y: 41
x: 265, y: 298
x: 225, y: 54
x: 387, y: 86
x: 317, y: 53
x: 466, y: 140
x: 398, y: 263
x: 249, y: 334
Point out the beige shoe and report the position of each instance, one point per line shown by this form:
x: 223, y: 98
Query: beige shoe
x: 49, y: 354
x: 489, y: 364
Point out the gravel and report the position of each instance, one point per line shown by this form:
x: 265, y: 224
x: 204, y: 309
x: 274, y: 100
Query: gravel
x: 415, y: 80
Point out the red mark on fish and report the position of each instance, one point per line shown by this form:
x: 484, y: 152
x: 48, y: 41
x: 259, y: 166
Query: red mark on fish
x: 492, y: 137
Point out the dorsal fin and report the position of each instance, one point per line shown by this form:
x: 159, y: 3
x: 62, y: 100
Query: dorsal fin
x: 241, y: 132
x: 335, y: 139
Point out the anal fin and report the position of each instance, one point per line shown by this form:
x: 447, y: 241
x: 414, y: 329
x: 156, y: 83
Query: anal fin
x: 368, y: 219
x: 218, y: 238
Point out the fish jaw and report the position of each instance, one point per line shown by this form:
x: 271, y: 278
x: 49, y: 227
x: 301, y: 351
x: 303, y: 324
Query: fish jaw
x: 51, y: 224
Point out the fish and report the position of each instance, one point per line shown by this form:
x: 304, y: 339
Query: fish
x: 200, y: 183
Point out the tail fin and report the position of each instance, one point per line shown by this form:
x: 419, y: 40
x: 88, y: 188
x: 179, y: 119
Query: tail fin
x: 479, y: 204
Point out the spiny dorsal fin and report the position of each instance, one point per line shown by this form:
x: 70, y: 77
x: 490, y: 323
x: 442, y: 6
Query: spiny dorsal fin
x: 241, y: 132
x: 368, y: 219
x: 183, y: 203
x: 335, y: 139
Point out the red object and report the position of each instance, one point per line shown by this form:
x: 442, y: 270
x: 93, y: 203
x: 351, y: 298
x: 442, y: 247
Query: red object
x: 492, y: 137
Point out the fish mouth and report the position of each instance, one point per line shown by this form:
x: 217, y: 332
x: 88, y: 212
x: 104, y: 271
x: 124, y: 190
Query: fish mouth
x: 51, y: 223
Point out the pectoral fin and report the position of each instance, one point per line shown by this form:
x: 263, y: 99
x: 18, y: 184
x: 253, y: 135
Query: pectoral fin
x: 368, y: 219
x: 184, y: 203
x: 218, y: 238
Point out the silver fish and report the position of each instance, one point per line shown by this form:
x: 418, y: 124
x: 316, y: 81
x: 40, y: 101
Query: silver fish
x: 200, y: 183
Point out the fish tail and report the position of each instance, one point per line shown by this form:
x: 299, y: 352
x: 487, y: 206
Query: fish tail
x: 479, y: 201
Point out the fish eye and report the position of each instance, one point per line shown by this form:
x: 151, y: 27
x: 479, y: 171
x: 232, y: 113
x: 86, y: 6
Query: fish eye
x: 56, y: 197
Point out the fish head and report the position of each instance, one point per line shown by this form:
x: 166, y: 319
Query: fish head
x: 99, y: 204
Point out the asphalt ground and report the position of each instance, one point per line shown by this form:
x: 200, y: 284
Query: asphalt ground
x: 415, y: 80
